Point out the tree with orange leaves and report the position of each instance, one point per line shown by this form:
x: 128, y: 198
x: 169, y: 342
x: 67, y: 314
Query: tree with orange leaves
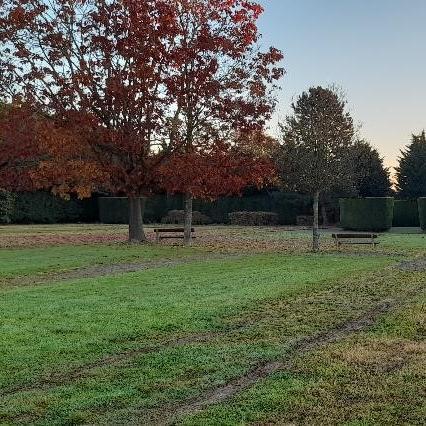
x: 19, y: 152
x: 224, y: 90
x: 129, y: 84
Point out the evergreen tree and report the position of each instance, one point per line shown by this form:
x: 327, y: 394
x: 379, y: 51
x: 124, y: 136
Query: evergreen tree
x: 371, y: 177
x: 316, y: 145
x: 411, y: 173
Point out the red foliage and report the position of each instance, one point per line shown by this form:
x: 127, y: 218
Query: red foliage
x: 225, y: 169
x: 140, y: 94
x: 19, y: 151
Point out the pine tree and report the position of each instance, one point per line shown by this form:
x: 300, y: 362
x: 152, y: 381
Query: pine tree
x: 371, y: 177
x: 411, y: 173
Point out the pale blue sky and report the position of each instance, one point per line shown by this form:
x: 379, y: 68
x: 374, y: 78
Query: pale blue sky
x: 374, y: 49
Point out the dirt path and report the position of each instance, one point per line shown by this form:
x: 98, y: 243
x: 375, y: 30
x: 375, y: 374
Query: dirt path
x: 417, y: 265
x: 98, y: 271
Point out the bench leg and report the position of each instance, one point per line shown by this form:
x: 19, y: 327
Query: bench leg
x: 157, y: 237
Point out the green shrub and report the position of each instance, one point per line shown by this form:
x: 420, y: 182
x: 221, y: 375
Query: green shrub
x: 253, y: 218
x: 366, y: 214
x: 406, y: 213
x: 7, y: 206
x: 422, y: 212
x: 304, y: 220
x: 178, y: 217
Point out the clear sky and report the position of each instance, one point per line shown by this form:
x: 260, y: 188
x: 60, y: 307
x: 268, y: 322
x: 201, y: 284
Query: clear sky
x: 374, y: 49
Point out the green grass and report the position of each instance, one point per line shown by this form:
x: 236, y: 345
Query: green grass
x: 248, y: 309
x: 373, y: 378
x: 30, y: 261
x: 81, y: 321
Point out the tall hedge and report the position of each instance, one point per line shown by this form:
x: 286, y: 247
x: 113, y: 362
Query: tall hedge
x: 44, y: 207
x: 406, y: 213
x: 286, y: 205
x: 366, y: 214
x: 115, y: 209
x: 422, y: 212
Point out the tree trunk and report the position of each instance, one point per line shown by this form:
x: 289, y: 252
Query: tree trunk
x: 324, y: 215
x: 315, y: 228
x: 187, y: 235
x: 136, y: 209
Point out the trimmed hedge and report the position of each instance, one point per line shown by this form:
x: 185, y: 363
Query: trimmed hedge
x: 422, y: 212
x: 406, y: 213
x: 44, y: 207
x: 253, y: 218
x: 286, y: 205
x: 177, y: 217
x: 366, y: 214
x: 115, y: 209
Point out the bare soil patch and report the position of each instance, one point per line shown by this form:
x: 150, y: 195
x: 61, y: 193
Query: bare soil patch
x: 97, y: 271
x: 417, y: 265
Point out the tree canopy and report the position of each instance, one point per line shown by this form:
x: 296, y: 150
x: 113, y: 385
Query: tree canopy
x: 371, y: 177
x: 314, y: 155
x: 411, y: 172
x: 125, y: 85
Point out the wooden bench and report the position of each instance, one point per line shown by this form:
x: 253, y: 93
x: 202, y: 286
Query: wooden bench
x: 172, y: 231
x: 348, y: 238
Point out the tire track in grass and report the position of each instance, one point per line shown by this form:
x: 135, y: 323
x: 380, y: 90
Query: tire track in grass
x: 172, y: 413
x: 52, y: 380
x: 57, y: 379
x: 98, y: 271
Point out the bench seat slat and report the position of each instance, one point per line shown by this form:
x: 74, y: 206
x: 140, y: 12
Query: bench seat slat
x: 358, y: 242
x: 163, y: 230
x: 354, y: 236
x: 164, y: 237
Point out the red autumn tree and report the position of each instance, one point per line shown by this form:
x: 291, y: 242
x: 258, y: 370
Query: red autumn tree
x: 19, y: 151
x: 127, y: 84
x: 224, y: 90
x: 98, y: 70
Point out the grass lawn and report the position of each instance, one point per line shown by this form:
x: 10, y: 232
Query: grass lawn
x: 271, y: 334
x: 29, y: 261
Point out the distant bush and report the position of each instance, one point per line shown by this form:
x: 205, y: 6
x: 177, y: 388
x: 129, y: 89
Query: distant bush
x: 366, y: 214
x: 178, y: 217
x: 406, y: 213
x: 253, y: 218
x: 305, y: 220
x: 7, y: 205
x: 422, y: 212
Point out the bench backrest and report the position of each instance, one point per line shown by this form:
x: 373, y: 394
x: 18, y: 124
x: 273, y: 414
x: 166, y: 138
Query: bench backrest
x: 159, y: 230
x: 350, y: 236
